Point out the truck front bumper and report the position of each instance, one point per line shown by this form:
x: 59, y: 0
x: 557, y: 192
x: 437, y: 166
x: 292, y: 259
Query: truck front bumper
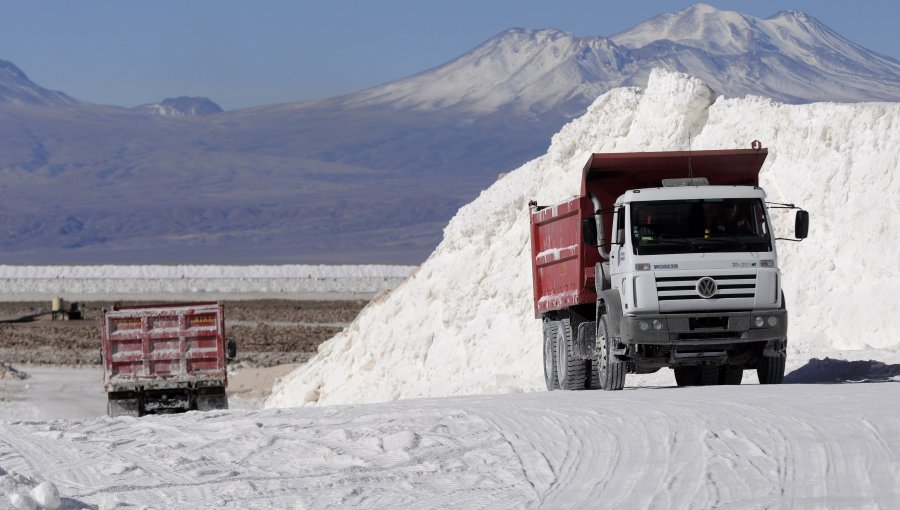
x: 703, y: 328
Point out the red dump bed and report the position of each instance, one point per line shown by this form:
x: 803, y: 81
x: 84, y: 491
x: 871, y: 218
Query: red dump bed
x: 163, y: 346
x: 563, y: 264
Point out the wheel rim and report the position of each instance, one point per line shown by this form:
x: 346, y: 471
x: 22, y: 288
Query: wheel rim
x: 603, y: 365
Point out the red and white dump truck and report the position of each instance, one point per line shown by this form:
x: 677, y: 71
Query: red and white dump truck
x: 165, y: 358
x: 665, y: 259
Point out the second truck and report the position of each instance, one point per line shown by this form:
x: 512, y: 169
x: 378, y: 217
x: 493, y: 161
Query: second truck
x: 165, y: 358
x: 665, y: 259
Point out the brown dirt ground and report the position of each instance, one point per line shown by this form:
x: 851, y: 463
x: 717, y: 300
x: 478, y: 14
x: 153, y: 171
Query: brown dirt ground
x: 267, y: 332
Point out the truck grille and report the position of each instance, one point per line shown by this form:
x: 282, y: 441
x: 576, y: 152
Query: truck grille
x: 731, y: 286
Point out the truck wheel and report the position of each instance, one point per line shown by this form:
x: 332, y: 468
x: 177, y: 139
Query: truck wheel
x: 770, y: 369
x: 610, y: 371
x: 570, y: 370
x: 212, y: 399
x: 550, y: 377
x: 687, y: 376
x: 595, y: 374
x: 730, y: 374
x: 709, y: 375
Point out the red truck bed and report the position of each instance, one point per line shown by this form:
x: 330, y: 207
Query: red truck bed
x: 163, y: 346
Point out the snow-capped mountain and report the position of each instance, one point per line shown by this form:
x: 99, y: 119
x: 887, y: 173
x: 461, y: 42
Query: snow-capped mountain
x: 790, y: 56
x: 16, y: 88
x: 182, y: 106
x: 520, y: 70
x: 375, y: 175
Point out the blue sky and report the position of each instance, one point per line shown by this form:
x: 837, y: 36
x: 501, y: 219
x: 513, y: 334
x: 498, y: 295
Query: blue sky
x: 243, y: 53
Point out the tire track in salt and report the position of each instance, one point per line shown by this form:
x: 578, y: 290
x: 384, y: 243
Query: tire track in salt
x: 746, y: 446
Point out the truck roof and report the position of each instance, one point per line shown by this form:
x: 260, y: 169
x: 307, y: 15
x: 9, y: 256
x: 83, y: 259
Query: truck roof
x: 687, y: 192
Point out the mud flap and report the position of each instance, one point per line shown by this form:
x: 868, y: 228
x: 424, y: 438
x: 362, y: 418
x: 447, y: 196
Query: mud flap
x: 211, y: 399
x: 612, y: 304
x: 586, y: 340
x: 123, y: 407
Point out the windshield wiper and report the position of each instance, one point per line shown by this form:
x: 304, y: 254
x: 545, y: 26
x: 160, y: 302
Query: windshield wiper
x: 667, y: 238
x: 727, y: 240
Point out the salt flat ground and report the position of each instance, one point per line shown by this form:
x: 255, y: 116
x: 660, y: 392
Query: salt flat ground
x: 66, y: 393
x: 749, y: 446
x: 52, y: 393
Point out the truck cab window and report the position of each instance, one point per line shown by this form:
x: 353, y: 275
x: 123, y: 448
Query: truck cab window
x: 620, y: 225
x: 712, y: 225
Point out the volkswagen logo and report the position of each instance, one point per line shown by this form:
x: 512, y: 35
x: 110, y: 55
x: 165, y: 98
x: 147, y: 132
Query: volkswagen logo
x: 707, y: 287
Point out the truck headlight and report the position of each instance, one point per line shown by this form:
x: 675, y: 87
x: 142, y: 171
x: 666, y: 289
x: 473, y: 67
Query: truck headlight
x: 644, y: 325
x: 772, y: 321
x: 657, y: 324
x: 767, y: 263
x: 642, y: 267
x: 760, y: 322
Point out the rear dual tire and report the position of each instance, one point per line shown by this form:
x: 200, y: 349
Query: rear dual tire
x: 550, y: 377
x: 564, y: 370
x: 571, y: 370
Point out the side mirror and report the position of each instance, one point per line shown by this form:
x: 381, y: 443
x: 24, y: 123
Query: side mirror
x: 801, y: 224
x: 232, y: 350
x: 589, y: 231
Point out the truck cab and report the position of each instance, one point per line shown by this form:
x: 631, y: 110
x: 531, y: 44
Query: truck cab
x: 653, y: 266
x: 697, y: 272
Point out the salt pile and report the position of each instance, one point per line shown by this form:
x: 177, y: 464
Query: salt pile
x: 23, y: 493
x: 463, y: 323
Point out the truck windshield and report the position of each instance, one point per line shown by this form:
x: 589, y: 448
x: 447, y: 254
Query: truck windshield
x: 708, y: 225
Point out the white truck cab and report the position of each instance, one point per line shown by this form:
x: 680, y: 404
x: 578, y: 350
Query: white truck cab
x: 693, y: 263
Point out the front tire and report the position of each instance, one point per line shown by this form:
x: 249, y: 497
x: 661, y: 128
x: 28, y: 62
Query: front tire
x: 731, y: 375
x: 770, y: 369
x: 610, y: 370
x: 687, y: 376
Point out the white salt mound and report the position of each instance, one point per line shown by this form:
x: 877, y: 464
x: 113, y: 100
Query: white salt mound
x: 463, y: 323
x: 23, y: 494
x: 46, y: 495
x: 22, y: 501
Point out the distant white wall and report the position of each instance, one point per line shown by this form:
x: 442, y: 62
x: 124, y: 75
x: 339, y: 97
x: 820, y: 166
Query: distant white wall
x: 110, y: 282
